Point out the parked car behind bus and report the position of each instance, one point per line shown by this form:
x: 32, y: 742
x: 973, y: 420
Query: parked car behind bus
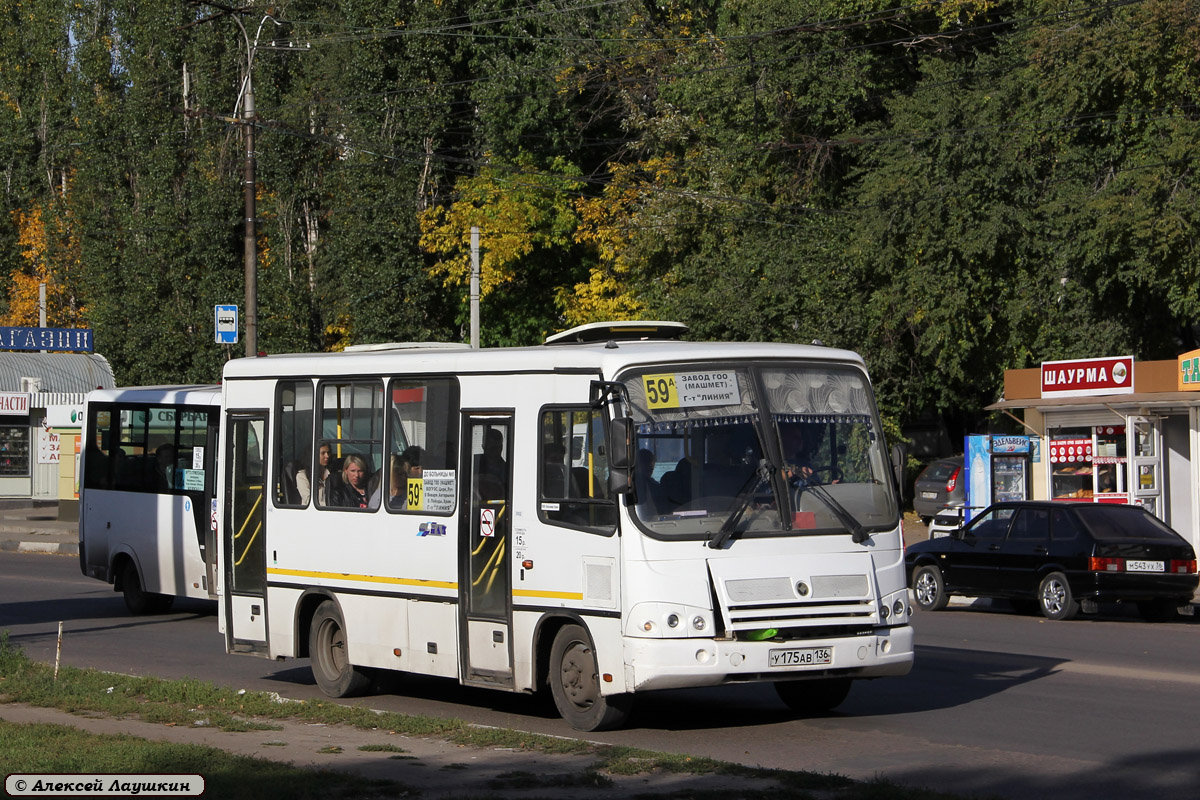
x: 940, y: 485
x: 1060, y: 558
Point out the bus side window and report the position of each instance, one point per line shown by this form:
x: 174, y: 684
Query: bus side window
x: 293, y: 456
x: 573, y: 470
x: 351, y: 423
x: 422, y: 445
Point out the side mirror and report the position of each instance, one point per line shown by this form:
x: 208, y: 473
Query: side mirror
x: 899, y: 460
x: 620, y: 443
x: 620, y: 451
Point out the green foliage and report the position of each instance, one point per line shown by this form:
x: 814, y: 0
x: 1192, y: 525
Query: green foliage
x: 951, y: 188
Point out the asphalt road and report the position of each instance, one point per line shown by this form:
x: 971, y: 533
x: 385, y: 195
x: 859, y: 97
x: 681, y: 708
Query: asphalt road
x: 998, y: 703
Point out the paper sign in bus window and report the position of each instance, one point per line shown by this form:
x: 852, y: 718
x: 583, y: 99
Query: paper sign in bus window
x: 437, y: 490
x: 691, y: 389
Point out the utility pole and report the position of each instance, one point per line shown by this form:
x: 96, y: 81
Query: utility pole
x: 475, y: 286
x: 249, y: 188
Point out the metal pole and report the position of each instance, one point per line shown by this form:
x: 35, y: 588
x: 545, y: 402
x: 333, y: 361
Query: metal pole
x: 251, y: 244
x: 475, y: 286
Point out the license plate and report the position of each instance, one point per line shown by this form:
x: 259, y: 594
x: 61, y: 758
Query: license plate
x: 1143, y: 566
x: 801, y: 657
x: 929, y: 495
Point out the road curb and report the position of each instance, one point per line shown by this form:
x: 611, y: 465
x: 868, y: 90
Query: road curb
x: 59, y: 548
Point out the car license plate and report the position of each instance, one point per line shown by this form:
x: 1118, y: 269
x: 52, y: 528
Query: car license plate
x: 929, y: 495
x: 801, y: 657
x: 1143, y: 566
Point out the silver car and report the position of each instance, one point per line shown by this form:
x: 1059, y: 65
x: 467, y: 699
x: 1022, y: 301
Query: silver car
x: 939, y: 485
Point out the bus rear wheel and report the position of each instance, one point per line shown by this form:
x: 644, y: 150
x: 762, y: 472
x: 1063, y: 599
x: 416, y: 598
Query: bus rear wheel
x: 137, y: 599
x: 815, y: 696
x: 575, y: 684
x: 327, y: 651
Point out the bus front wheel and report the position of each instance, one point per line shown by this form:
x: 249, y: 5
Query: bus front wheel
x: 575, y: 684
x: 327, y: 651
x: 137, y: 599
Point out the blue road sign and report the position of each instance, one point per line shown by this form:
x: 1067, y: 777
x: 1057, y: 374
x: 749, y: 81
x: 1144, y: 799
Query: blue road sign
x: 227, y: 324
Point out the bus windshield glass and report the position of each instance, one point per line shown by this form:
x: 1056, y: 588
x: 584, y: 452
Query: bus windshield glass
x: 758, y: 449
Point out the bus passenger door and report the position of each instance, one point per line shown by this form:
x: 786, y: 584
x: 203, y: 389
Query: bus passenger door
x: 244, y: 535
x: 486, y: 550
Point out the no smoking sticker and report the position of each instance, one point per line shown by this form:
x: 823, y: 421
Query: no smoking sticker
x: 487, y: 522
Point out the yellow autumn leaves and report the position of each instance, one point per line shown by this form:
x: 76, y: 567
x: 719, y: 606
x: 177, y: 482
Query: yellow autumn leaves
x: 520, y: 209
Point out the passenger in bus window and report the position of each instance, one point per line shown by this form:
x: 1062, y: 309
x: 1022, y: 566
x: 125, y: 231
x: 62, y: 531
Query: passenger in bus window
x: 164, y: 474
x: 412, y: 461
x: 397, y: 483
x: 97, y: 475
x: 651, y: 497
x: 351, y: 490
x: 556, y: 478
x: 491, y: 463
x: 323, y: 454
x: 297, y: 488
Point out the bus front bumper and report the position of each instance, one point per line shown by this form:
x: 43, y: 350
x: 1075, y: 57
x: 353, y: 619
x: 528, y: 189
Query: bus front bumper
x: 682, y: 663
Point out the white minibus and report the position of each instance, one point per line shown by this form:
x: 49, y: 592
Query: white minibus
x: 436, y: 510
x: 147, y: 493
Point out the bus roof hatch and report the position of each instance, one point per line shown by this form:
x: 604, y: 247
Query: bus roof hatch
x: 620, y: 330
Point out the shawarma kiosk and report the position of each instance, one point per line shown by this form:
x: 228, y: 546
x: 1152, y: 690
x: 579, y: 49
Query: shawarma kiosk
x: 1114, y: 430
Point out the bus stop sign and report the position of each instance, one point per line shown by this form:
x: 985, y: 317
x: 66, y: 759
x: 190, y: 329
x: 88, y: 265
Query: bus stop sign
x: 227, y: 324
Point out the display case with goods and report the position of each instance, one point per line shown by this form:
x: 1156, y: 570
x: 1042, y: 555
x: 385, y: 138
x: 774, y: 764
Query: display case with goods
x: 1088, y: 464
x: 1109, y: 464
x: 14, y: 451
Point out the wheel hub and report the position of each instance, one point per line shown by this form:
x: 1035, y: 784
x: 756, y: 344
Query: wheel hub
x: 576, y: 671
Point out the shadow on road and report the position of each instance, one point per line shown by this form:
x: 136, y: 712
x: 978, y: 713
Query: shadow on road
x: 1170, y: 775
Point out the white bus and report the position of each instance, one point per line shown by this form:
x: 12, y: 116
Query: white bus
x: 146, y: 499
x: 456, y: 534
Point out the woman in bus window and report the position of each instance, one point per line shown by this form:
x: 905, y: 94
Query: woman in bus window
x: 351, y: 491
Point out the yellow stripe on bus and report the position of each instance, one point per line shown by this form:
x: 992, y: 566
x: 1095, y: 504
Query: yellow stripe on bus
x: 555, y: 595
x: 303, y: 573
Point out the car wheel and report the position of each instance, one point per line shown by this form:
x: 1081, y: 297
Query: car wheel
x: 1055, y: 598
x: 1160, y: 610
x: 137, y: 599
x: 929, y: 590
x: 328, y: 654
x: 815, y: 696
x: 575, y: 684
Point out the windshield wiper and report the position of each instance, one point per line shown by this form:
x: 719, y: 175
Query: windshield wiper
x: 741, y: 502
x: 858, y: 534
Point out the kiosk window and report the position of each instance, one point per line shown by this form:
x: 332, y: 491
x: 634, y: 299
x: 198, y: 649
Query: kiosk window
x: 14, y: 450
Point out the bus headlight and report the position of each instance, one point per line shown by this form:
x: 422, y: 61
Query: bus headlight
x: 668, y: 620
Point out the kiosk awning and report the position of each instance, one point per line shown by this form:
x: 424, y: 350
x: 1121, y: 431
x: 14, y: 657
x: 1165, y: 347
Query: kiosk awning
x: 1123, y: 401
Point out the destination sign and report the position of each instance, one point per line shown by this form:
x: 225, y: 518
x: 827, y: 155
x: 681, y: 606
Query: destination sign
x: 692, y: 389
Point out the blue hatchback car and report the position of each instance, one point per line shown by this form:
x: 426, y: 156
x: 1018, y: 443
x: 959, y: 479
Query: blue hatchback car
x: 1060, y: 558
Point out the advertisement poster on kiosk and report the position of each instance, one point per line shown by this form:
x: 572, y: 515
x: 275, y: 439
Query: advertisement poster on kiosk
x: 997, y: 470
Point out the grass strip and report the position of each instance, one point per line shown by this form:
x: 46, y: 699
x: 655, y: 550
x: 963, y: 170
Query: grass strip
x: 36, y: 748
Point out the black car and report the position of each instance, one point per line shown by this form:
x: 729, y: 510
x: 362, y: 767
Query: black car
x: 1058, y: 557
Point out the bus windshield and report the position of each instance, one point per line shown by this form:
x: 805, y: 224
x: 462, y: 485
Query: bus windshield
x: 758, y: 449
